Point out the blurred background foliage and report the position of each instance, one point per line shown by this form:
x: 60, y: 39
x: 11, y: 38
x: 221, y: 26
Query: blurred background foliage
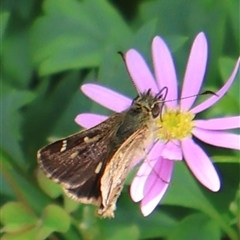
x: 48, y: 50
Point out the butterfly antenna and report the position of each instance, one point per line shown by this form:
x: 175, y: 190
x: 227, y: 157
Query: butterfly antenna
x: 161, y: 99
x: 162, y: 94
x: 207, y: 92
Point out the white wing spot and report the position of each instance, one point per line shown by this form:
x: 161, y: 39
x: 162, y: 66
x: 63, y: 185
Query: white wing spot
x: 91, y: 140
x: 38, y: 154
x: 98, y: 168
x: 64, y: 146
x: 73, y: 155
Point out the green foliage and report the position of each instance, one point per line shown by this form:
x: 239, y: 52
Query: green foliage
x: 20, y: 223
x: 49, y: 49
x: 15, y: 216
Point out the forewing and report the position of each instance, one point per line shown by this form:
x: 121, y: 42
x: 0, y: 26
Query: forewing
x: 73, y: 160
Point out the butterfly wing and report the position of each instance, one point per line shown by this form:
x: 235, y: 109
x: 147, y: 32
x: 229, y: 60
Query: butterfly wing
x: 79, y: 160
x: 115, y: 173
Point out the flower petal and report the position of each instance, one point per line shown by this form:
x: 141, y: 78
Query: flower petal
x: 106, y: 97
x: 194, y: 72
x: 218, y: 138
x: 172, y: 151
x: 88, y: 120
x: 210, y: 101
x: 218, y: 123
x: 164, y: 69
x: 137, y: 185
x: 156, y: 185
x: 200, y: 165
x: 139, y: 72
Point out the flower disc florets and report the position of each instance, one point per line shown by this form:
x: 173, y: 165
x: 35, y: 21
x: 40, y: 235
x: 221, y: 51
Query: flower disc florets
x: 175, y: 125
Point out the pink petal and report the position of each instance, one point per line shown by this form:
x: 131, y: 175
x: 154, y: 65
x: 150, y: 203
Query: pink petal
x: 88, y: 120
x: 164, y: 69
x: 218, y: 123
x: 172, y: 151
x: 194, y: 72
x: 200, y: 165
x: 156, y: 185
x: 210, y: 101
x: 106, y: 97
x: 137, y: 185
x: 218, y: 138
x: 139, y: 72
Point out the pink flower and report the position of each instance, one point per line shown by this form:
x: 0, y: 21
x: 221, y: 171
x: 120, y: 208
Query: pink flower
x: 177, y: 124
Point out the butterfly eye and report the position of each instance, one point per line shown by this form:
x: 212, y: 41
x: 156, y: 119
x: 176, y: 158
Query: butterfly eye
x: 155, y: 110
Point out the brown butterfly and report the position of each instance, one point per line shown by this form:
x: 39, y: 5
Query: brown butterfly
x: 93, y: 164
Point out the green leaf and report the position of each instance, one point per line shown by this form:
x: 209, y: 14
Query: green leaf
x: 24, y: 234
x: 146, y: 226
x: 187, y: 192
x: 69, y: 204
x: 197, y: 227
x: 15, y: 216
x: 144, y: 36
x: 43, y: 233
x: 113, y: 74
x: 22, y: 185
x: 49, y: 106
x: 176, y: 42
x: 12, y: 101
x: 16, y: 55
x: 234, y: 208
x: 4, y: 16
x: 226, y: 66
x: 226, y: 159
x: 55, y: 218
x: 48, y: 186
x: 80, y: 39
x: 126, y: 232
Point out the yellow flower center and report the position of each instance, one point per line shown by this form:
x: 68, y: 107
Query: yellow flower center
x: 175, y: 125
